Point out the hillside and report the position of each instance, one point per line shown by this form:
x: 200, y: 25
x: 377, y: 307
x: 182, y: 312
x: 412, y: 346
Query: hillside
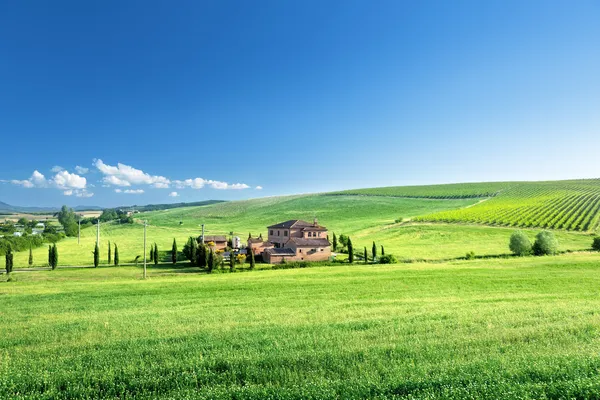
x: 570, y: 205
x: 447, y: 191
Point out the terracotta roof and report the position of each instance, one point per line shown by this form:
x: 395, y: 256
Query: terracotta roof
x: 215, y: 238
x: 314, y: 228
x: 321, y: 242
x: 284, y: 251
x: 294, y: 223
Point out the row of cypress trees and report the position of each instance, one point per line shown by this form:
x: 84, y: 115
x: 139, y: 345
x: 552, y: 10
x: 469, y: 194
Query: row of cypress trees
x: 96, y: 253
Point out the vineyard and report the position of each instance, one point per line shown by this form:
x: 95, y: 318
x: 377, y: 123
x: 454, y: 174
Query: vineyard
x: 570, y: 205
x: 448, y: 191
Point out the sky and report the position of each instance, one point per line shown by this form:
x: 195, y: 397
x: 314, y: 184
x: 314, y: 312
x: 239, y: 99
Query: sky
x: 134, y: 102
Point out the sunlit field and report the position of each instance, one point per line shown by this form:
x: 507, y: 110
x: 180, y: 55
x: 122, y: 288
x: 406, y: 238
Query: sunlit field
x: 518, y: 328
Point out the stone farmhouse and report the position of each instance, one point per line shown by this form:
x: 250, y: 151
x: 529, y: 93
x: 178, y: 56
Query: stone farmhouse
x: 293, y: 240
x: 219, y: 241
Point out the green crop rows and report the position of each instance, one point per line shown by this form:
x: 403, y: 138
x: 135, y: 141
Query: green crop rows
x: 570, y: 205
x: 448, y: 191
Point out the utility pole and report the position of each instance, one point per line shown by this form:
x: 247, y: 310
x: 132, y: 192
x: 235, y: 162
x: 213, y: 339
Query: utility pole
x: 202, y: 233
x: 145, y: 224
x: 78, y: 229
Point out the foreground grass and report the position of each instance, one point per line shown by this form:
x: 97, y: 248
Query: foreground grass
x: 522, y: 328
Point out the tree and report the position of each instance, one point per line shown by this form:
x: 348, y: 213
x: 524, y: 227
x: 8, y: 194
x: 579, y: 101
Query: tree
x: 211, y: 260
x: 174, y: 252
x: 240, y: 259
x: 596, y: 244
x: 201, y: 256
x: 155, y: 254
x: 344, y: 240
x: 96, y: 256
x: 231, y: 261
x: 8, y: 260
x: 117, y: 255
x: 334, y: 242
x: 23, y: 221
x: 66, y: 217
x: 151, y: 252
x: 519, y: 243
x: 382, y: 251
x: 249, y: 251
x: 50, y: 256
x: 366, y: 256
x: 30, y: 256
x: 108, y: 214
x: 189, y: 250
x: 387, y: 259
x: 109, y: 255
x: 54, y: 256
x: 374, y: 251
x: 350, y: 251
x: 545, y: 244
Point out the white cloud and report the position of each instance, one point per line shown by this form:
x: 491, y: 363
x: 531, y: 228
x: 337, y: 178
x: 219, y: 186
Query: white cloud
x: 173, y: 194
x: 37, y: 179
x: 125, y: 175
x: 83, y: 193
x: 65, y: 180
x: 130, y: 191
x: 199, y: 183
x: 258, y: 188
x: 114, y: 181
x: 57, y: 168
x: 68, y: 192
x: 81, y: 170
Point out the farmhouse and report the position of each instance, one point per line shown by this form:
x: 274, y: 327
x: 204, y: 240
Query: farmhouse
x: 295, y: 240
x: 220, y: 242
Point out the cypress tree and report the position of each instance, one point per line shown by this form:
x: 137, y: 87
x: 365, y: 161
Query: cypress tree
x: 116, y: 255
x: 109, y: 255
x: 54, y: 256
x: 174, y: 252
x: 50, y: 255
x: 231, y: 261
x: 374, y: 251
x: 155, y: 254
x: 366, y: 256
x: 30, y: 256
x: 334, y: 242
x: 211, y: 260
x: 251, y: 258
x: 382, y: 251
x: 151, y: 252
x: 8, y: 260
x: 350, y: 251
x: 96, y: 256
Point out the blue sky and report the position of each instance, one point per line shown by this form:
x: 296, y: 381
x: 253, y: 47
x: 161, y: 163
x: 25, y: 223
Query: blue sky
x: 116, y: 103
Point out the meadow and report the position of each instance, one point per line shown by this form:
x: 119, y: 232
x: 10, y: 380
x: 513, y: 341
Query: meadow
x: 387, y: 220
x: 524, y: 328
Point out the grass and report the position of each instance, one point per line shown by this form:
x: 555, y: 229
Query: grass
x: 521, y: 328
x: 569, y: 205
x: 342, y: 214
x: 447, y: 191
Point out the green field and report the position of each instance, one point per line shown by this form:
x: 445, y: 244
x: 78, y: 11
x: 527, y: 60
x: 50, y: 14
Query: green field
x: 570, y: 205
x: 364, y: 218
x: 447, y: 191
x: 522, y: 328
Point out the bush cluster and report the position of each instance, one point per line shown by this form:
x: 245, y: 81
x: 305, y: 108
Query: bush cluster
x: 545, y: 244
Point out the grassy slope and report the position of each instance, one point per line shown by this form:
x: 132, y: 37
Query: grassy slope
x: 343, y: 214
x: 447, y: 191
x: 520, y: 328
x: 572, y: 205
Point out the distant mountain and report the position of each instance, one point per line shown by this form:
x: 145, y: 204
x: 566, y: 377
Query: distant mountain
x: 9, y: 209
x: 168, y: 206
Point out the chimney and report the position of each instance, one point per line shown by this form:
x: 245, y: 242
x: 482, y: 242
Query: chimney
x: 316, y: 222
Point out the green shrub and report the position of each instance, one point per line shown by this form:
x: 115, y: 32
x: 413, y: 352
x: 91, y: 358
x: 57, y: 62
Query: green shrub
x: 520, y: 244
x: 470, y: 255
x: 596, y: 244
x: 545, y: 244
x: 388, y: 259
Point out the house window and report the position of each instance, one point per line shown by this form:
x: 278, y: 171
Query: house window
x: 309, y: 234
x: 285, y: 233
x: 271, y: 233
x: 321, y: 249
x: 278, y: 233
x: 299, y: 250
